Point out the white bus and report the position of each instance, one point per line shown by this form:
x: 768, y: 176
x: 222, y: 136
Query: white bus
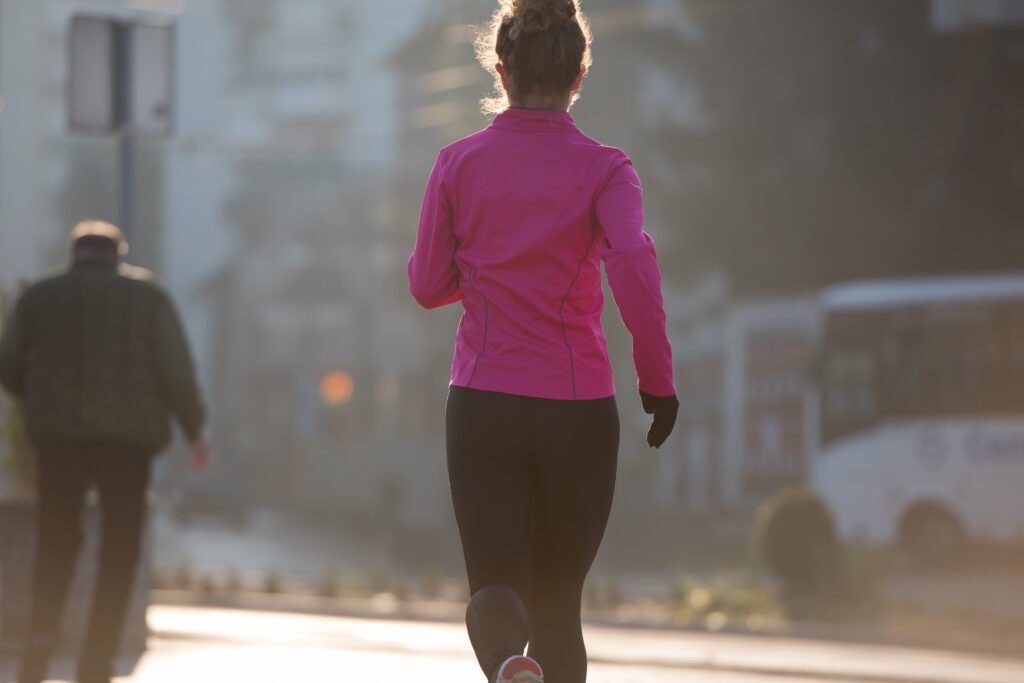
x: 922, y: 412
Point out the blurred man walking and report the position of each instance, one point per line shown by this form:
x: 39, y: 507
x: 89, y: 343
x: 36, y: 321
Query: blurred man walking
x: 98, y: 357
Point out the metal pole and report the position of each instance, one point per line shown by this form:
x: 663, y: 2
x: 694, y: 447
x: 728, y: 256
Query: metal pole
x: 126, y: 185
x: 126, y: 142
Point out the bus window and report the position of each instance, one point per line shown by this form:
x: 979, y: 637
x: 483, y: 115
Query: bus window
x: 850, y: 392
x: 942, y: 351
x: 959, y: 363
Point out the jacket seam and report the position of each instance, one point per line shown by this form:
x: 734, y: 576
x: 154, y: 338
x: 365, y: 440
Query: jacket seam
x: 561, y: 312
x: 483, y: 346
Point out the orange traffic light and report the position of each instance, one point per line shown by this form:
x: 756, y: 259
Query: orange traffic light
x: 336, y: 388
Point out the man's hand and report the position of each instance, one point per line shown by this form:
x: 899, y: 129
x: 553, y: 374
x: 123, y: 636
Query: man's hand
x: 200, y: 454
x: 664, y: 409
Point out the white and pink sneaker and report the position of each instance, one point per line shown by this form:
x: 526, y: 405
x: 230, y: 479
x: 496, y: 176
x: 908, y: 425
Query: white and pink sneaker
x: 520, y: 669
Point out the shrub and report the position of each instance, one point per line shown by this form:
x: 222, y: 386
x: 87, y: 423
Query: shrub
x: 795, y: 536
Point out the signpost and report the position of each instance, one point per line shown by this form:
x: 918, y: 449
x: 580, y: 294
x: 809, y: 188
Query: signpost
x: 121, y: 84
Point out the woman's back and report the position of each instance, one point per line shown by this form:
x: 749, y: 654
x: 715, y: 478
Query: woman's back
x: 526, y: 207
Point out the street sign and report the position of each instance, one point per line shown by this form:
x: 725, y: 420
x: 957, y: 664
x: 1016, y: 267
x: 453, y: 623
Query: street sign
x: 121, y: 76
x: 91, y: 100
x: 152, y: 81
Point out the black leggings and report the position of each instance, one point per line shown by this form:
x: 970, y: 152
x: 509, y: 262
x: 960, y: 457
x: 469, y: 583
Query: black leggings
x: 532, y: 482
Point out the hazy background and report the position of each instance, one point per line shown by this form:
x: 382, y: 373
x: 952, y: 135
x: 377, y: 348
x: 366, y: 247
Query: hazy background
x: 785, y: 145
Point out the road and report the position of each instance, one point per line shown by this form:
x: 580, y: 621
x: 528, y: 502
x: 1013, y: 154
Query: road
x: 197, y: 645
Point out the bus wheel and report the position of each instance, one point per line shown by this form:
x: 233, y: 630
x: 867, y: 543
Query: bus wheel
x: 932, y: 536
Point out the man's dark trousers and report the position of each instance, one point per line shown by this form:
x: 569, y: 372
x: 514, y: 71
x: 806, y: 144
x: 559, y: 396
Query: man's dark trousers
x: 121, y: 477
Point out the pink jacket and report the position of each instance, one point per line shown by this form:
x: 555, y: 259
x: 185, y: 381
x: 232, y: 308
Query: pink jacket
x: 515, y: 222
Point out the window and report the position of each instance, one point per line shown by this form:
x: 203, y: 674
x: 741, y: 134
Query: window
x: 850, y: 385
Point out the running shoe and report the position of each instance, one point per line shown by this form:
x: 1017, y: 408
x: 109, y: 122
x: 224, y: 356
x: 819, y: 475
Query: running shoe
x: 520, y: 669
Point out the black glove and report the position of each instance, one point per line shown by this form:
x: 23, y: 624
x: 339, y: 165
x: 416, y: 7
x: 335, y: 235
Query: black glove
x: 664, y: 409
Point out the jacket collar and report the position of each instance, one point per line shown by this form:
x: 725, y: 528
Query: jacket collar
x: 538, y: 120
x: 95, y: 264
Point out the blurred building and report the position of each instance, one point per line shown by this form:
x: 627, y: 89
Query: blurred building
x: 312, y: 285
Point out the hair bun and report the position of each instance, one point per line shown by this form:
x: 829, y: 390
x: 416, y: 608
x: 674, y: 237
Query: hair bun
x: 532, y: 16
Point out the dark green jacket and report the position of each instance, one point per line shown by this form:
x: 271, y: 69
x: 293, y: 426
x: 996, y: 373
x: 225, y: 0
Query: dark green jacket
x: 98, y: 355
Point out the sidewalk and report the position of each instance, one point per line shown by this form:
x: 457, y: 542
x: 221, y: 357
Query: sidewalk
x: 994, y: 593
x: 198, y: 644
x: 919, y: 629
x: 799, y: 658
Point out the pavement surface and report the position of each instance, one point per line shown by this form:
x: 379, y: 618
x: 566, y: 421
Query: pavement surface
x: 993, y: 593
x: 198, y: 645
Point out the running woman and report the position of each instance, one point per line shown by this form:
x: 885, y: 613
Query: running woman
x: 516, y: 221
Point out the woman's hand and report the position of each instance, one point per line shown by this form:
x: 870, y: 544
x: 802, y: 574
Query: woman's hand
x: 664, y: 409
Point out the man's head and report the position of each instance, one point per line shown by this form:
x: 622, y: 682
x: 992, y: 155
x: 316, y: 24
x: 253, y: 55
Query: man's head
x: 97, y: 241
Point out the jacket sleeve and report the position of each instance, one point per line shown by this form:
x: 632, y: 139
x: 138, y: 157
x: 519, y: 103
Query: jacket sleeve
x: 632, y: 267
x: 176, y: 371
x: 14, y: 351
x: 433, y: 273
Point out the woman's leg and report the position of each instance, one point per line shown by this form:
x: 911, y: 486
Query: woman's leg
x: 576, y: 466
x: 498, y: 625
x: 491, y: 485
